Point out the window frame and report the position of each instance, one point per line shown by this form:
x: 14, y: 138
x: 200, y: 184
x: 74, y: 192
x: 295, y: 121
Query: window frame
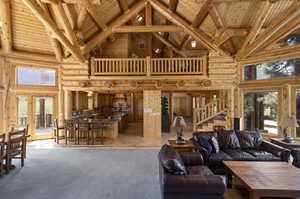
x: 36, y: 67
x: 271, y: 89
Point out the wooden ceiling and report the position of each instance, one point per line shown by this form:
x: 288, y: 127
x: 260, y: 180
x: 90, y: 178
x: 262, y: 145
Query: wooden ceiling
x: 237, y: 28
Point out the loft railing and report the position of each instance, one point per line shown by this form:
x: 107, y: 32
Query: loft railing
x: 208, y: 111
x: 149, y: 66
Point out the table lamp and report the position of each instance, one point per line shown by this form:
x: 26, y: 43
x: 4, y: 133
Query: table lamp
x: 285, y: 123
x: 179, y: 125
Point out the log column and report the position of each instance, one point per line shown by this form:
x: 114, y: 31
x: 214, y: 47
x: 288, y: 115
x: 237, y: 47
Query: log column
x: 152, y: 114
x: 90, y: 100
x: 68, y: 103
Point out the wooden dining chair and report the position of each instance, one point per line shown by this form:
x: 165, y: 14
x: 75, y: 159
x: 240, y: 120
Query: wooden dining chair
x: 16, y: 147
x: 83, y: 131
x: 22, y: 127
x: 57, y: 130
x: 2, y: 146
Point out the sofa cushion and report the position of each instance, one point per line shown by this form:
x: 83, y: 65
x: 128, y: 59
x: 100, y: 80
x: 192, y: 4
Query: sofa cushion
x: 199, y: 170
x: 216, y: 159
x: 215, y: 144
x: 171, y: 160
x: 228, y: 140
x: 249, y: 139
x: 262, y: 155
x: 239, y: 155
x: 204, y: 141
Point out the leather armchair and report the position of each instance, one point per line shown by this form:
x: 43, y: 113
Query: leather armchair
x: 296, y: 158
x: 276, y: 150
x: 200, y: 182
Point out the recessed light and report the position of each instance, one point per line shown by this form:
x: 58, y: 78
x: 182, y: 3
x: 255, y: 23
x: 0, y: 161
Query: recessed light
x: 193, y: 44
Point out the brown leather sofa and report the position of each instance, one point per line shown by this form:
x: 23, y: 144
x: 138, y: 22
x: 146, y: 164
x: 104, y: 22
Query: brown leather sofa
x: 238, y: 146
x: 190, y: 180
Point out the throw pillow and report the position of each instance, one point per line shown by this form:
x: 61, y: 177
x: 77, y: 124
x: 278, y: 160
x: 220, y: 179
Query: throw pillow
x: 228, y: 140
x: 171, y: 160
x: 215, y: 144
x: 205, y: 143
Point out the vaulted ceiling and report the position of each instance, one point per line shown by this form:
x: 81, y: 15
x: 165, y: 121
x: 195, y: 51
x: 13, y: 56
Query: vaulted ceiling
x: 64, y: 28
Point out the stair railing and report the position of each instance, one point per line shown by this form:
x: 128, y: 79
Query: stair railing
x: 208, y: 111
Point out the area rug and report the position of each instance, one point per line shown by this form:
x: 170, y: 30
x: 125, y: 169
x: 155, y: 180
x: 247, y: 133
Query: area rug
x: 84, y: 174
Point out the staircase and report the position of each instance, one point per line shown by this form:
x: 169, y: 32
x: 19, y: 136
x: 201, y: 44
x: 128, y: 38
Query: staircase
x: 207, y: 116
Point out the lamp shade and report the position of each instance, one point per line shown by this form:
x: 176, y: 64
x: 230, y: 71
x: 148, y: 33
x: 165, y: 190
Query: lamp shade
x: 179, y: 122
x: 289, y: 122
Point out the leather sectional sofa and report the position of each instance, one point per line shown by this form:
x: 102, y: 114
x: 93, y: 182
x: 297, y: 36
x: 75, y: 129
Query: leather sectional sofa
x: 184, y: 176
x: 238, y: 146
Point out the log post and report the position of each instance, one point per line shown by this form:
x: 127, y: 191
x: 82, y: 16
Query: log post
x: 148, y: 65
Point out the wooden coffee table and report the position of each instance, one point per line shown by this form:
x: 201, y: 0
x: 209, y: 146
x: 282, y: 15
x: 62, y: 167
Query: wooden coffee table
x: 187, y: 147
x: 267, y: 179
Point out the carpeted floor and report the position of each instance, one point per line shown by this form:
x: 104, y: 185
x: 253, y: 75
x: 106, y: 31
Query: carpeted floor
x: 84, y: 174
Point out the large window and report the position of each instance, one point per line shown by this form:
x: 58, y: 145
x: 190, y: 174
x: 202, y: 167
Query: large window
x: 298, y: 111
x: 260, y: 111
x: 36, y: 76
x: 282, y: 68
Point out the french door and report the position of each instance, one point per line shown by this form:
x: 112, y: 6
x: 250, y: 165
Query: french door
x: 38, y: 112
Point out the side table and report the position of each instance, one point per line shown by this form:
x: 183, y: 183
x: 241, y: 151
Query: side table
x: 187, y: 147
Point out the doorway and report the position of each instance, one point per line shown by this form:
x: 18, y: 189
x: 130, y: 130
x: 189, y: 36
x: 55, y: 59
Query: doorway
x: 38, y: 112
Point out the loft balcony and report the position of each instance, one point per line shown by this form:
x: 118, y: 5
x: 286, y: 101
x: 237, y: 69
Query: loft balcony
x: 149, y: 67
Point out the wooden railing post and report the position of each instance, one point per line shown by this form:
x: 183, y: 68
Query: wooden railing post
x: 93, y: 66
x: 148, y: 65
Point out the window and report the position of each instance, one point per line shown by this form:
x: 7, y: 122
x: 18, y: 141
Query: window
x: 267, y: 70
x: 260, y: 111
x: 290, y: 40
x: 298, y: 111
x: 36, y: 76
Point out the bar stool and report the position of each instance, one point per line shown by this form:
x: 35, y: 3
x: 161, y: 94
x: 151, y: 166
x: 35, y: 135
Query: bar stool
x: 97, y: 129
x: 2, y: 156
x: 83, y: 131
x: 57, y: 129
x: 70, y: 130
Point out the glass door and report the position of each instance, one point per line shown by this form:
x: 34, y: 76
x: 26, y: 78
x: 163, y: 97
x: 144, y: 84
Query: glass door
x: 22, y: 106
x: 43, y: 117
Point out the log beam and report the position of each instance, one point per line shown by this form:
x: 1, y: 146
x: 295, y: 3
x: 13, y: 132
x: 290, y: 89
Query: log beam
x: 123, y: 5
x: 54, y: 42
x: 198, y: 35
x: 169, y: 44
x: 292, y: 12
x: 99, y: 38
x: 5, y: 18
x: 202, y: 14
x: 259, y: 22
x: 52, y: 27
x: 151, y: 28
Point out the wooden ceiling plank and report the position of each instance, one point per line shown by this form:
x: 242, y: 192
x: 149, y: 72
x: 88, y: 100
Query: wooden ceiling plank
x: 151, y: 28
x: 200, y: 36
x: 169, y: 44
x: 5, y: 17
x: 82, y: 15
x: 54, y: 42
x: 93, y: 12
x: 51, y: 26
x: 285, y: 17
x: 259, y: 22
x: 99, y: 38
x: 226, y: 35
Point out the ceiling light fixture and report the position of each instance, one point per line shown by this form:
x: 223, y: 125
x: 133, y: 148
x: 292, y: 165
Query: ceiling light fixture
x: 139, y: 18
x: 157, y: 50
x: 193, y: 44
